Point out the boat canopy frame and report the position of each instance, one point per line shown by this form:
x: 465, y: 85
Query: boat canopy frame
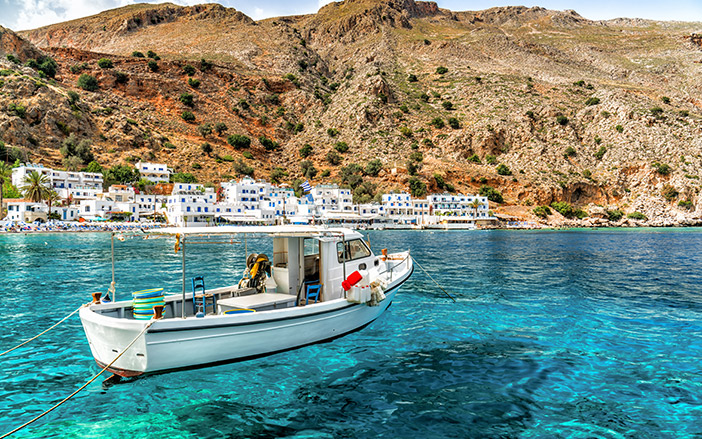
x: 322, y: 233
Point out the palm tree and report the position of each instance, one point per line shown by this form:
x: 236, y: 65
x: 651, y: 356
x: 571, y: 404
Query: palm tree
x: 475, y: 205
x: 52, y: 198
x: 36, y: 186
x: 5, y: 172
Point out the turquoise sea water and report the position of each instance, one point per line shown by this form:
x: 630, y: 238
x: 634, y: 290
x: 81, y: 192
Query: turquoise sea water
x: 555, y: 334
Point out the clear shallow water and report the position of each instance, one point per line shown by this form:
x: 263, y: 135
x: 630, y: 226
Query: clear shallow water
x: 555, y: 334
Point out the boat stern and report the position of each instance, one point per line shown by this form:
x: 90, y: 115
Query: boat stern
x: 109, y: 336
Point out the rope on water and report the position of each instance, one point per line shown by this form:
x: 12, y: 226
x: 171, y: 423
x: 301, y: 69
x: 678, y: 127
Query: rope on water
x: 42, y: 333
x: 81, y: 387
x: 427, y: 273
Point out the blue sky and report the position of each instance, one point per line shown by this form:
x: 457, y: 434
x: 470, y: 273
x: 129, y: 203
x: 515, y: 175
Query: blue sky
x: 29, y: 14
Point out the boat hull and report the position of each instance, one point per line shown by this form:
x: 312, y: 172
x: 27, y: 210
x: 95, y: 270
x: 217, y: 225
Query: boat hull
x: 171, y: 344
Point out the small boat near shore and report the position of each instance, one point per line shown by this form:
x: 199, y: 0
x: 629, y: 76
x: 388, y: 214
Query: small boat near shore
x: 318, y: 285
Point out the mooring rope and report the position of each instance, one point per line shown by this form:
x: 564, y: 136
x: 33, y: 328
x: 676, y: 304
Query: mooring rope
x: 44, y: 332
x: 427, y: 273
x: 81, y: 387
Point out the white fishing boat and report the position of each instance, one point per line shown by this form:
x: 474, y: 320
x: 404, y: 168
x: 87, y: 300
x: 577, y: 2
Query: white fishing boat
x: 319, y: 284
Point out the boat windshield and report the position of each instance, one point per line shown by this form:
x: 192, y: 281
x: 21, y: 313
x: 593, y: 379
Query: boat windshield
x: 355, y: 249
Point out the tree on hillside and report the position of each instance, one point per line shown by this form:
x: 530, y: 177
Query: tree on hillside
x: 122, y: 174
x: 36, y: 186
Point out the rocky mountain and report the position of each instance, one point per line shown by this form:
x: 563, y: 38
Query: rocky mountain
x: 545, y: 106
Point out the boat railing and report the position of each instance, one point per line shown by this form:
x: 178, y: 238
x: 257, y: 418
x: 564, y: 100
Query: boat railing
x: 391, y: 269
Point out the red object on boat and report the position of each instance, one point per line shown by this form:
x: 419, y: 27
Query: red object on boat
x: 352, y: 280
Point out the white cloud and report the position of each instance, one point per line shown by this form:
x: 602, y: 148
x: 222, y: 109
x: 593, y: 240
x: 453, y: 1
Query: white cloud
x: 36, y: 13
x: 31, y: 14
x: 259, y: 14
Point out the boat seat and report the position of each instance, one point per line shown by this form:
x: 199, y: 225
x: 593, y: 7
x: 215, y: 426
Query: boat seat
x: 202, y: 298
x: 312, y: 292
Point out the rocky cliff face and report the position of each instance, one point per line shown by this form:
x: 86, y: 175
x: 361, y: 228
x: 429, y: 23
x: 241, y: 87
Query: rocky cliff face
x: 575, y: 110
x: 13, y: 44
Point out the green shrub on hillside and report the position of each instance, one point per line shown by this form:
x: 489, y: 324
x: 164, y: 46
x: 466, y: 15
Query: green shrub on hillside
x: 205, y: 129
x: 220, y: 128
x: 307, y: 169
x: 187, y: 116
x: 277, y: 175
x: 373, y: 168
x: 417, y: 187
x: 437, y: 122
x: 269, y: 144
x: 242, y: 168
x: 592, y: 101
x: 637, y: 216
x: 306, y: 150
x: 186, y: 99
x: 121, y: 77
x: 542, y: 211
x: 503, y: 169
x: 239, y: 141
x: 600, y: 152
x: 87, y: 82
x: 333, y: 158
x: 661, y: 168
x: 105, y: 63
x: 614, y: 215
x: 669, y: 192
x: 564, y: 208
x: 491, y: 193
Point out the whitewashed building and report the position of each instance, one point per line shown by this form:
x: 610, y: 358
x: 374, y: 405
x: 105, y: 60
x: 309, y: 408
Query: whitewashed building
x: 397, y: 204
x: 330, y: 197
x: 23, y: 210
x: 190, y: 205
x: 65, y: 183
x: 120, y: 201
x: 284, y: 201
x: 155, y: 172
x: 459, y: 205
x: 247, y: 191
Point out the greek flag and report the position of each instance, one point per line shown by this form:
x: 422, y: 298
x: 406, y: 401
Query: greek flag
x: 306, y: 186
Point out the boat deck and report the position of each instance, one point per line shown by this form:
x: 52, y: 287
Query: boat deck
x: 259, y: 302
